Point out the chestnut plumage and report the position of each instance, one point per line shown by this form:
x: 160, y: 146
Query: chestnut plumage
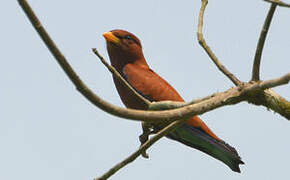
x: 126, y: 55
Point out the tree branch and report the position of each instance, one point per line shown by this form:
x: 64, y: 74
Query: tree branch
x: 279, y: 3
x: 261, y: 42
x: 268, y: 97
x: 274, y: 82
x: 253, y: 92
x: 142, y: 149
x: 213, y: 57
x: 277, y: 103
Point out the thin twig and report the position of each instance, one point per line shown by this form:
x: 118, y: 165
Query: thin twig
x: 275, y: 82
x: 279, y: 3
x: 213, y: 57
x: 263, y: 85
x: 261, y: 42
x: 121, y: 79
x: 142, y: 149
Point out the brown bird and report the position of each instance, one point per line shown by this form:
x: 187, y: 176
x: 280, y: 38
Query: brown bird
x: 126, y: 55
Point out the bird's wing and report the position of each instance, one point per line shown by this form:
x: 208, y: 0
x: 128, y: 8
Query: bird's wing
x: 150, y: 84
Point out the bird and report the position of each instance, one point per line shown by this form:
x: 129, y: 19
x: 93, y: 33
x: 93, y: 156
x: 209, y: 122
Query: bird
x: 126, y: 56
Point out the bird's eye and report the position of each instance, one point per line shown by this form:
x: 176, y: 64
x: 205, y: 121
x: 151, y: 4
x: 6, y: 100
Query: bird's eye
x: 128, y: 37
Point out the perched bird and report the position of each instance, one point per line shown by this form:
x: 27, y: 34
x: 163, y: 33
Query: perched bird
x: 126, y: 55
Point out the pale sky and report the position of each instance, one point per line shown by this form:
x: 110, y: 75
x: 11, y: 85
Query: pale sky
x: 50, y: 131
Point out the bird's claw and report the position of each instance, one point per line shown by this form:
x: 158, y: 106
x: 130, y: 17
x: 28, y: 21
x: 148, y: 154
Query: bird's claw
x: 147, y: 130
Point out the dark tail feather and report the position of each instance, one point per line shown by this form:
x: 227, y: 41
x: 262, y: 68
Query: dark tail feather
x: 198, y: 139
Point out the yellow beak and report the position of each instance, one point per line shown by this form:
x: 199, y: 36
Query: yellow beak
x: 110, y: 37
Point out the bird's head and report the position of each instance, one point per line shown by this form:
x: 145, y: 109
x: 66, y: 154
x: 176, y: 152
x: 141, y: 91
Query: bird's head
x: 123, y: 47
